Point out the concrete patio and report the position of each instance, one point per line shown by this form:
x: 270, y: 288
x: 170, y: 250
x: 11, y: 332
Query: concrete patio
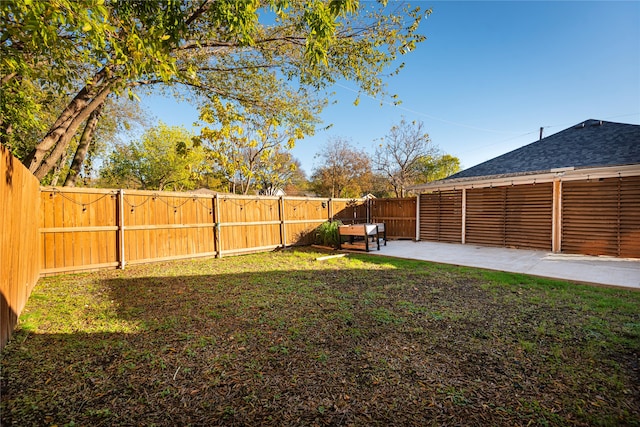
x: 609, y: 271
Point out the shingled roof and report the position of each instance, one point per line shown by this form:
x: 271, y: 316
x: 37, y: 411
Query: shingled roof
x: 593, y: 143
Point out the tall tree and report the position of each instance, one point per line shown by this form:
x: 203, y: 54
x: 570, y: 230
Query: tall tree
x: 46, y: 49
x: 83, y: 147
x: 344, y: 172
x: 435, y: 167
x: 276, y: 173
x: 218, y: 49
x: 249, y: 146
x: 297, y: 183
x: 164, y: 158
x: 400, y: 152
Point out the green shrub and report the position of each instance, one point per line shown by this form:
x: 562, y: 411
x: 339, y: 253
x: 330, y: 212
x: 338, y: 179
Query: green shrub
x: 327, y: 233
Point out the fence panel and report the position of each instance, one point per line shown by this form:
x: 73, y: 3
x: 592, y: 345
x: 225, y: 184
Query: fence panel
x: 441, y: 216
x: 164, y: 225
x: 19, y: 241
x: 86, y: 229
x: 528, y: 218
x: 301, y: 218
x: 349, y: 211
x: 602, y: 217
x: 78, y: 229
x: 486, y: 212
x: 248, y: 223
x: 399, y: 216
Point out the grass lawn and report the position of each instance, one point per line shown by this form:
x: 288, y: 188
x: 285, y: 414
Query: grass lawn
x: 282, y: 339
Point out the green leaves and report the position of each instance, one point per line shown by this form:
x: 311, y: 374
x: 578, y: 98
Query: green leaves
x: 165, y: 158
x: 253, y: 55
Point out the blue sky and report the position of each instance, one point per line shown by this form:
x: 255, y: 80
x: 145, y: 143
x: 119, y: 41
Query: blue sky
x: 489, y: 75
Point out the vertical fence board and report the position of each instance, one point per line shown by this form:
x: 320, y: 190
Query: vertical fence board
x: 302, y: 217
x: 399, y: 216
x: 349, y: 211
x: 47, y: 220
x: 20, y: 240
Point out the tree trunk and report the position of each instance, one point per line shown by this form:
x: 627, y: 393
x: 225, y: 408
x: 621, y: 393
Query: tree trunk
x: 60, y: 138
x: 35, y: 157
x: 58, y: 169
x: 83, y: 147
x: 59, y: 135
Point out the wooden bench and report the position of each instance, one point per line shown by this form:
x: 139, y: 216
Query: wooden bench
x: 366, y: 231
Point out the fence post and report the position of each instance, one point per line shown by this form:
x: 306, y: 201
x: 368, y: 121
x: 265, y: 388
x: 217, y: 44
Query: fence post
x: 283, y: 231
x: 216, y: 229
x: 330, y: 209
x: 213, y: 221
x: 120, y: 237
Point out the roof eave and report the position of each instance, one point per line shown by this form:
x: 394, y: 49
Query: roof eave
x: 522, y: 178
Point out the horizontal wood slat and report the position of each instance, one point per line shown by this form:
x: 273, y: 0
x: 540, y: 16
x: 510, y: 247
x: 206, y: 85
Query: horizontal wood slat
x: 602, y: 217
x: 441, y: 216
x: 516, y: 216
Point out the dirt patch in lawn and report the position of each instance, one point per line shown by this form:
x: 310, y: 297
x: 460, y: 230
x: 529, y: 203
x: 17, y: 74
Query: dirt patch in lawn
x: 283, y: 339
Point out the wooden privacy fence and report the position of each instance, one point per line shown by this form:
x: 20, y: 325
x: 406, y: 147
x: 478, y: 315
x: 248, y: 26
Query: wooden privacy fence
x: 19, y: 240
x: 399, y: 216
x: 55, y: 230
x: 87, y: 229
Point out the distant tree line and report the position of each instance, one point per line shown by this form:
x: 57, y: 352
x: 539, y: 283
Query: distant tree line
x: 172, y: 158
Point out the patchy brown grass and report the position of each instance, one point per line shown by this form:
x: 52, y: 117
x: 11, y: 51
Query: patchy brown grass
x: 282, y: 339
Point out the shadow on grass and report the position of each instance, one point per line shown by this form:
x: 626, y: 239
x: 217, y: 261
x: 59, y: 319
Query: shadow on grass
x: 358, y: 341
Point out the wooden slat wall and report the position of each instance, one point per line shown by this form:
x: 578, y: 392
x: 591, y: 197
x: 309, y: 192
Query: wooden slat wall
x: 630, y: 217
x: 602, y: 217
x: 529, y: 216
x: 518, y: 216
x: 399, y: 216
x: 441, y: 216
x: 19, y: 240
x: 485, y: 216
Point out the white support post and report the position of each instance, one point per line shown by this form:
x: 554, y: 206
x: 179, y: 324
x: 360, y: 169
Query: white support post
x: 464, y: 216
x: 417, y: 217
x: 556, y: 217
